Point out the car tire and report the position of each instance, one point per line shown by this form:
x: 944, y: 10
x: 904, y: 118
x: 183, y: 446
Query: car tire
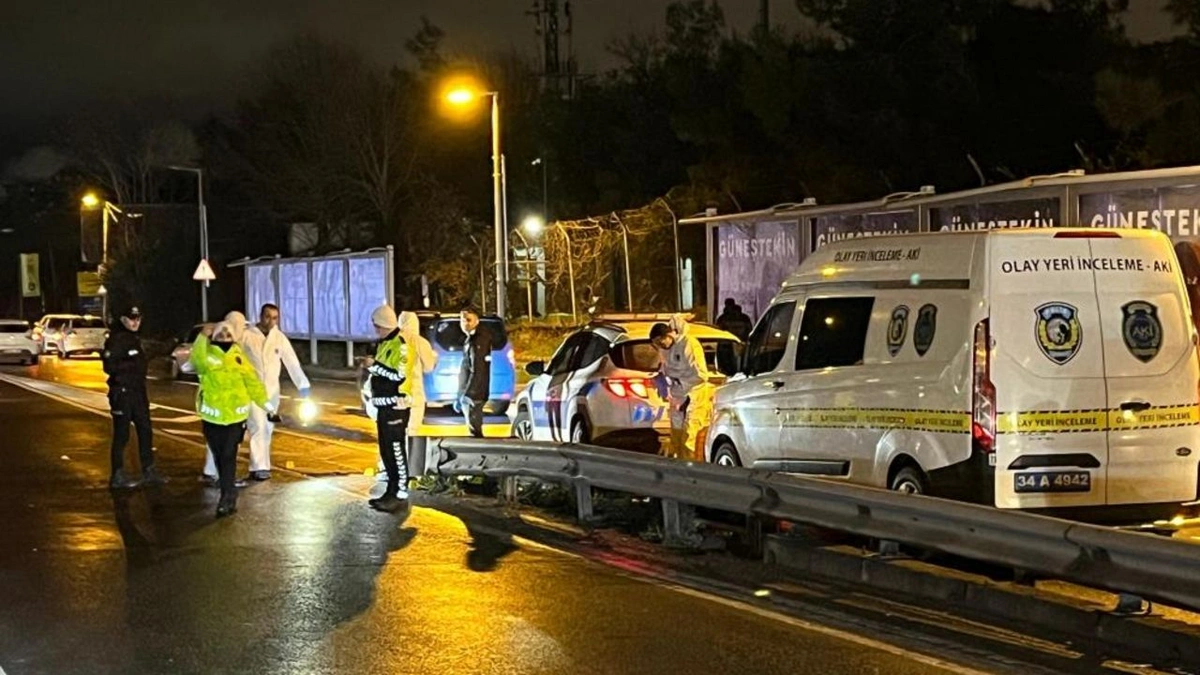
x: 498, y: 407
x: 581, y: 432
x: 523, y: 426
x: 910, y: 480
x: 726, y: 455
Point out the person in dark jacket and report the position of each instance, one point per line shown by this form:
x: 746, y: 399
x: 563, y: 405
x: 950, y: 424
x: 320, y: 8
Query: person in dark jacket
x: 475, y: 378
x: 125, y: 364
x: 734, y: 320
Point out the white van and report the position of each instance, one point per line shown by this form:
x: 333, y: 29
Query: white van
x: 1032, y: 369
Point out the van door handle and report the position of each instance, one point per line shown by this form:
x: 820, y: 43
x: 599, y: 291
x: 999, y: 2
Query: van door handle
x: 774, y: 384
x: 1135, y: 406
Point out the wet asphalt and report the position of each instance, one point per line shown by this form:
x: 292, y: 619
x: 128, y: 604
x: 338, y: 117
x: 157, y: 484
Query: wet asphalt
x: 307, y: 579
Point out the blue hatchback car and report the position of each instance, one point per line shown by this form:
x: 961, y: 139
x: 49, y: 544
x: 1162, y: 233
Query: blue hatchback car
x: 446, y: 336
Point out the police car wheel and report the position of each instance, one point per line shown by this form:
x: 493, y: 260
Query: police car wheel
x: 726, y: 455
x: 910, y: 480
x: 523, y: 426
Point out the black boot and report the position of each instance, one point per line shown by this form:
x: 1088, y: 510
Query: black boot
x: 152, y: 478
x: 227, y: 506
x: 390, y: 502
x: 119, y: 481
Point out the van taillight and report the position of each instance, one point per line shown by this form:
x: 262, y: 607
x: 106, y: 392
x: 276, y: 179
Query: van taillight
x: 983, y: 396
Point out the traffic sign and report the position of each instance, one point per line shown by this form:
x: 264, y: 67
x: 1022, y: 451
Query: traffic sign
x: 204, y: 271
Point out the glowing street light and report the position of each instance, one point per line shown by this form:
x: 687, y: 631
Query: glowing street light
x: 461, y: 94
x: 533, y: 226
x: 90, y: 200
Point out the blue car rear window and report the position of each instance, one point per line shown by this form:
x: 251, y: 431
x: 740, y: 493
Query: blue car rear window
x: 448, y: 335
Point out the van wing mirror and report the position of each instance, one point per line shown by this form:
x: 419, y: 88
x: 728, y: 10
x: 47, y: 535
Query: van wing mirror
x: 535, y: 368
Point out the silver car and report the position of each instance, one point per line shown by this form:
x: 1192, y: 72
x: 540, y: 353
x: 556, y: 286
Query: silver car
x: 181, y: 356
x: 17, y: 342
x: 82, y: 335
x: 598, y: 387
x: 50, y: 329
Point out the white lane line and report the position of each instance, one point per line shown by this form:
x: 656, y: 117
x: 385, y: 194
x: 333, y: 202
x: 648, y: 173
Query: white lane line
x: 649, y: 577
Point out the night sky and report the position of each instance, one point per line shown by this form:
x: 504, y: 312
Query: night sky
x: 58, y: 57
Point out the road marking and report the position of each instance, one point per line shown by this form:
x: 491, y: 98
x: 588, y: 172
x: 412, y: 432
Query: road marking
x: 648, y: 576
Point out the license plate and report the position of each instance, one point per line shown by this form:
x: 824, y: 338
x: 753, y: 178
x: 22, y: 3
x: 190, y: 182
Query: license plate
x: 1053, y: 481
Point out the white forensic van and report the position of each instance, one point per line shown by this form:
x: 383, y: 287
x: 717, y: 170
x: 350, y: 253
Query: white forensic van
x: 1032, y: 369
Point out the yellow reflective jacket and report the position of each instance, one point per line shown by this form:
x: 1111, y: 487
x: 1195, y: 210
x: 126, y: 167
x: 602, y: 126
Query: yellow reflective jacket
x: 228, y: 383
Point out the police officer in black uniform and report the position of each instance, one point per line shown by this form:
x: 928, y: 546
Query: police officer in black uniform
x: 125, y: 365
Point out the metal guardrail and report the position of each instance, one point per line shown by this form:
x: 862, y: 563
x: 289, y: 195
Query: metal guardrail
x: 1149, y: 566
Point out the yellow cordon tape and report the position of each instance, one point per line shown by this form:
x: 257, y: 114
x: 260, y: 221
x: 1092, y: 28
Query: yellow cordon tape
x: 1029, y: 422
x: 949, y: 421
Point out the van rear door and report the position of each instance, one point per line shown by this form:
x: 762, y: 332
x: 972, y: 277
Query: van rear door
x: 1151, y: 368
x: 1047, y: 368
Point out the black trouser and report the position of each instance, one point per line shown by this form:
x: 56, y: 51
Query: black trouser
x: 392, y: 427
x: 223, y: 442
x: 130, y: 406
x: 473, y: 412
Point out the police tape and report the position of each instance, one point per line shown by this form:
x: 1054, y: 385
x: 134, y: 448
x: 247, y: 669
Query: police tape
x: 947, y: 421
x: 1026, y: 422
x: 1101, y: 419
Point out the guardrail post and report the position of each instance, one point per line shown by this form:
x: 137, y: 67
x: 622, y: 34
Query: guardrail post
x: 508, y: 489
x: 583, y: 501
x: 678, y: 525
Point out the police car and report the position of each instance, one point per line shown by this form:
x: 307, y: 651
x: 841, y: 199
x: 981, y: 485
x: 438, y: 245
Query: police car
x: 598, y: 387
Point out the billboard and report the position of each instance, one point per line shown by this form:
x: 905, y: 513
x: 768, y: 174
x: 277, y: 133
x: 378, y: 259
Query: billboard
x: 1045, y: 212
x: 753, y: 260
x: 327, y: 298
x: 1172, y: 209
x: 31, y: 279
x: 834, y: 227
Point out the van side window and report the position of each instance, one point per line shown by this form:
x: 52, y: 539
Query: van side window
x: 833, y: 332
x: 769, y: 339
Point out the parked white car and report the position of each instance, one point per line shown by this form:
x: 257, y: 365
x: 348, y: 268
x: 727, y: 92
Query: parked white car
x: 50, y: 329
x: 181, y: 356
x: 1051, y: 369
x: 598, y: 387
x: 17, y: 342
x: 82, y: 335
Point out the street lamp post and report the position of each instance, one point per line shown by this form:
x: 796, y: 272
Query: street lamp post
x: 534, y: 227
x: 107, y: 212
x: 463, y: 96
x: 203, y: 231
x: 528, y: 273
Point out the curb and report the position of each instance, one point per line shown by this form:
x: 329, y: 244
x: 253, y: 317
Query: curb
x: 1150, y: 637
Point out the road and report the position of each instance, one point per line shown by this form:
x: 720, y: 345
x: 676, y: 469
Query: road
x: 307, y: 579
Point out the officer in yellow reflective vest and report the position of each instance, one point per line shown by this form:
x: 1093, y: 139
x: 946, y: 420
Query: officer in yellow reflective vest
x: 392, y: 374
x: 229, y: 385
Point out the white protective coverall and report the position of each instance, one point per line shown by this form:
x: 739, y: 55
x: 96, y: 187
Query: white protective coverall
x: 269, y: 354
x: 689, y: 393
x: 410, y: 330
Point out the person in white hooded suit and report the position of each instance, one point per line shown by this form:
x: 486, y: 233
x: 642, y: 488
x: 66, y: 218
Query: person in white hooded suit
x: 683, y: 380
x: 270, y: 352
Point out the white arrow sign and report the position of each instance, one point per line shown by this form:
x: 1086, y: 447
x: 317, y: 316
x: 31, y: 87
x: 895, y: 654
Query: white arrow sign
x: 204, y: 271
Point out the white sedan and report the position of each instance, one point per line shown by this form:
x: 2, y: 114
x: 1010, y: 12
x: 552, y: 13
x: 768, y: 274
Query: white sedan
x: 598, y: 387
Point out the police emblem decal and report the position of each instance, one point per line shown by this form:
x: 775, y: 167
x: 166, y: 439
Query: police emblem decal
x: 1058, y: 332
x: 897, y: 329
x: 1142, y: 330
x: 924, y: 329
